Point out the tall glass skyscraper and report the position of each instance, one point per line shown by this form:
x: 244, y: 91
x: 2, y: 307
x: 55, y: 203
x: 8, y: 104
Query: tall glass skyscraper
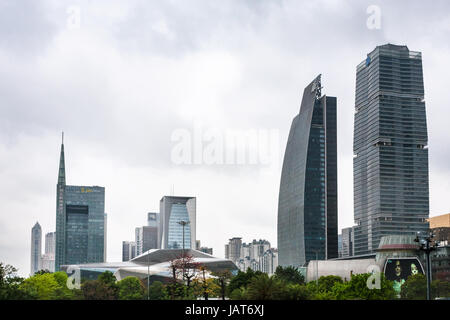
x: 174, y: 210
x: 36, y: 247
x: 307, y: 204
x: 80, y: 222
x: 390, y: 161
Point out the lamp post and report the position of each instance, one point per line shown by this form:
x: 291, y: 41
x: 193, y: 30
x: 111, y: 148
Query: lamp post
x: 425, y: 245
x: 183, y: 223
x: 148, y: 276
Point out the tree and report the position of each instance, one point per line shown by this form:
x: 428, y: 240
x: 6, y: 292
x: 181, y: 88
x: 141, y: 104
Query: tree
x: 289, y: 274
x: 327, y: 282
x: 263, y: 287
x: 130, y: 288
x: 242, y: 279
x: 440, y: 289
x: 356, y: 289
x: 185, y: 267
x: 295, y: 291
x: 223, y: 278
x: 10, y: 284
x: 414, y: 288
x: 156, y: 291
x: 104, y: 288
x: 41, y: 286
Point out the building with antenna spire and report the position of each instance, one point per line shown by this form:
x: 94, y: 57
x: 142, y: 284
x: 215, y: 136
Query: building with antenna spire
x: 80, y: 221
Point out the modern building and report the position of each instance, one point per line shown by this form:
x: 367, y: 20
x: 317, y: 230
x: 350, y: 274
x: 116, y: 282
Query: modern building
x: 80, y: 222
x: 177, y: 218
x: 48, y: 258
x: 153, y: 264
x: 36, y: 247
x: 128, y: 250
x: 146, y: 238
x: 307, y: 203
x: 339, y: 245
x: 233, y: 249
x: 441, y: 221
x: 347, y: 242
x: 257, y: 255
x: 153, y: 219
x: 390, y: 161
x: 199, y: 247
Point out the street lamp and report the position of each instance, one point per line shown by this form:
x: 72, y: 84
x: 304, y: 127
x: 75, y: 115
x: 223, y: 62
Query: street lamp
x: 183, y: 223
x: 427, y: 248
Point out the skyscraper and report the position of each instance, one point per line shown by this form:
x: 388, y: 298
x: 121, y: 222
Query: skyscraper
x: 390, y: 161
x: 146, y: 238
x: 307, y: 204
x: 80, y: 221
x: 36, y: 247
x: 128, y: 250
x: 48, y: 258
x: 174, y: 210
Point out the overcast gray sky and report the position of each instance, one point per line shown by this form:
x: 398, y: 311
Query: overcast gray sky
x: 122, y: 76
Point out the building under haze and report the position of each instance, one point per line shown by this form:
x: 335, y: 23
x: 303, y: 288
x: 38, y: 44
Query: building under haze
x: 48, y: 258
x: 307, y: 203
x: 80, y: 222
x: 128, y: 250
x: 146, y: 238
x: 390, y: 161
x: 36, y: 247
x: 174, y: 212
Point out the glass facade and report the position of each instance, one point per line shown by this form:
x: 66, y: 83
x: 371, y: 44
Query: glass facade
x: 80, y: 222
x: 307, y: 205
x: 390, y: 160
x: 173, y: 210
x: 179, y: 213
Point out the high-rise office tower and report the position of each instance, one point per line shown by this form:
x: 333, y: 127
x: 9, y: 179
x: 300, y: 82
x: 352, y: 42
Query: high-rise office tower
x: 347, y: 242
x: 177, y: 216
x: 307, y: 203
x: 390, y: 160
x: 128, y: 250
x: 80, y: 222
x: 36, y: 247
x: 233, y: 249
x: 146, y: 238
x: 48, y: 258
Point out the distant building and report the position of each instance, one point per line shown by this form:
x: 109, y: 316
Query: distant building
x: 440, y: 221
x: 146, y: 238
x: 173, y: 211
x: 203, y: 249
x: 36, y: 247
x: 339, y: 245
x: 128, y: 250
x: 48, y: 258
x: 256, y: 255
x: 347, y: 242
x: 80, y: 222
x: 153, y: 219
x: 233, y: 249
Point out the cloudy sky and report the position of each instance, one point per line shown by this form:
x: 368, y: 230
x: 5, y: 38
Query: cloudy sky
x: 122, y: 78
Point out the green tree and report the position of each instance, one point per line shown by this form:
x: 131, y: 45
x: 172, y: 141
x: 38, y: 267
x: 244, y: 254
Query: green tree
x: 440, y: 289
x: 10, y: 284
x: 294, y: 291
x: 356, y: 289
x: 130, y: 288
x: 414, y: 288
x: 263, y: 287
x: 289, y: 274
x: 242, y: 279
x: 223, y: 279
x: 104, y: 288
x: 327, y: 282
x: 41, y: 286
x: 156, y: 291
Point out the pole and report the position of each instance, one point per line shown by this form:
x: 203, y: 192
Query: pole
x: 428, y: 270
x: 148, y: 276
